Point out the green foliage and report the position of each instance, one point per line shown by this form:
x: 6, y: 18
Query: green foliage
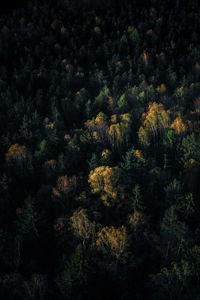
x: 173, y: 191
x: 137, y: 204
x: 122, y: 103
x: 134, y: 36
x: 42, y: 149
x: 102, y: 99
x: 100, y: 150
x: 173, y: 233
x: 190, y: 151
x: 27, y: 219
x: 75, y: 274
x: 173, y: 281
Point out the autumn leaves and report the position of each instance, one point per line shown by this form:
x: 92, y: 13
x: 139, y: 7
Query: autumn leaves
x: 109, y: 240
x: 156, y: 120
x: 115, y: 131
x: 111, y: 134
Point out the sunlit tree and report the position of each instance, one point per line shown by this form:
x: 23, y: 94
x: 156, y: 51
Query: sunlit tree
x: 104, y: 181
x: 81, y: 226
x: 179, y: 126
x: 112, y: 241
x: 154, y: 121
x: 119, y: 129
x: 97, y: 126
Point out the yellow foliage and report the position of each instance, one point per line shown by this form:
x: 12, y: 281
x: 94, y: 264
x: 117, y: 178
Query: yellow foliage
x: 155, y: 120
x: 179, y: 126
x: 144, y: 135
x: 113, y: 119
x: 97, y: 126
x: 104, y: 180
x: 136, y: 219
x: 126, y: 118
x: 105, y: 153
x: 119, y: 130
x: 157, y: 116
x: 112, y: 241
x: 100, y: 119
x: 116, y: 130
x: 81, y: 226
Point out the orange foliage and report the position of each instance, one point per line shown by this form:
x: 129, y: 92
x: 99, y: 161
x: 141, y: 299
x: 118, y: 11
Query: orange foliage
x: 16, y: 152
x: 155, y: 120
x: 112, y: 241
x: 104, y: 180
x: 161, y: 88
x: 145, y: 57
x: 179, y: 126
x: 64, y: 185
x: 138, y: 153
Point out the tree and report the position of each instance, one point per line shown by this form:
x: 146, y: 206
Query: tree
x: 134, y: 37
x: 154, y: 121
x: 75, y: 274
x: 101, y: 100
x: 36, y: 288
x: 97, y: 126
x: 112, y: 241
x: 122, y: 103
x: 50, y: 168
x: 116, y: 130
x: 105, y: 156
x: 190, y: 151
x: 179, y: 126
x: 41, y: 150
x: 28, y: 217
x: 119, y: 130
x: 173, y: 281
x: 173, y: 233
x: 173, y: 192
x: 104, y: 180
x: 17, y: 155
x: 136, y: 202
x: 81, y: 226
x: 132, y: 168
x: 64, y: 185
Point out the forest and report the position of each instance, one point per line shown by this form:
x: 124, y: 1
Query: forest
x: 100, y: 150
